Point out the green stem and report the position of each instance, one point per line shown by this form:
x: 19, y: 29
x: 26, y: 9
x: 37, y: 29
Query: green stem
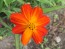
x: 17, y: 41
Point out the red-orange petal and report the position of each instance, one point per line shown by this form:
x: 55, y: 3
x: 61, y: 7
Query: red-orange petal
x: 26, y: 36
x: 18, y: 29
x: 26, y: 10
x: 18, y: 19
x: 42, y: 31
x: 43, y: 21
x: 37, y: 37
x: 37, y: 12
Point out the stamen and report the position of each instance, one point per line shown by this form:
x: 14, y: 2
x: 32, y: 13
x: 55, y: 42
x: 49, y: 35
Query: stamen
x: 31, y: 26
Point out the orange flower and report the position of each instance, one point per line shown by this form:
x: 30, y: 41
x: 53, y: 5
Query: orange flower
x: 30, y: 22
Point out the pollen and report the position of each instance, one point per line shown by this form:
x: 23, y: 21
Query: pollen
x: 31, y: 26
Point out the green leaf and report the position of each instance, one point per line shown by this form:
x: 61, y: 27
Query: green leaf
x: 43, y: 1
x: 1, y: 5
x: 58, y: 1
x: 5, y: 32
x: 4, y: 24
x: 16, y: 9
x: 8, y: 2
x: 46, y: 10
x: 21, y: 1
x: 9, y: 33
x: 7, y: 12
x: 48, y: 2
x: 2, y: 31
x: 42, y: 46
x: 45, y: 40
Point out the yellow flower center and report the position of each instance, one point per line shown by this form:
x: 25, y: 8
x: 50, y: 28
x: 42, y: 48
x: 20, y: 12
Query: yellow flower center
x: 31, y: 26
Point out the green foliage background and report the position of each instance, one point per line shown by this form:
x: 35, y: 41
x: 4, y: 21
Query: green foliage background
x: 9, y: 6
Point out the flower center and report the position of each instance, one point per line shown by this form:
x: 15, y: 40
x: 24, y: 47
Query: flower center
x: 31, y: 26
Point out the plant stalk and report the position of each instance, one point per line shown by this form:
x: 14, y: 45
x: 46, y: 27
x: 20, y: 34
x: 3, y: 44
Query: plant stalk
x: 17, y: 41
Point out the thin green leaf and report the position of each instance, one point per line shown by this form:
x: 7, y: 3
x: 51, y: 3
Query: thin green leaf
x: 8, y: 2
x: 2, y: 31
x: 46, y: 10
x: 16, y: 9
x: 4, y: 24
x: 21, y: 1
x: 1, y: 5
x: 48, y: 2
x: 7, y: 12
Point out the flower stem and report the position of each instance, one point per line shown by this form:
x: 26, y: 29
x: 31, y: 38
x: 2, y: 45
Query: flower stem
x: 17, y: 41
